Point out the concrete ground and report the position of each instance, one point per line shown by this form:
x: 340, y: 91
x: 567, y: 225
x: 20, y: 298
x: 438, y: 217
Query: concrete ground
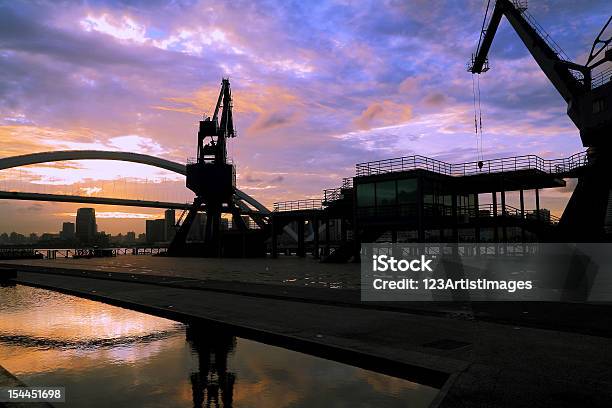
x: 477, y: 361
x: 285, y: 270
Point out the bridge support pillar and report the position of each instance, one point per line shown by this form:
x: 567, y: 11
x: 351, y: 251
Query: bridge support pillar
x: 537, y: 203
x: 495, y: 229
x: 301, y: 249
x: 315, y: 236
x: 274, y: 240
x: 327, y: 236
x: 504, y: 215
x: 522, y: 204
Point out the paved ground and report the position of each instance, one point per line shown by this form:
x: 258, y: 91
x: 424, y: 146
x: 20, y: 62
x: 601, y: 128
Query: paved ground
x: 478, y: 363
x: 286, y: 270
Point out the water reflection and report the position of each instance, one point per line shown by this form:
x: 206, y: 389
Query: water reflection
x: 108, y: 356
x: 212, y: 385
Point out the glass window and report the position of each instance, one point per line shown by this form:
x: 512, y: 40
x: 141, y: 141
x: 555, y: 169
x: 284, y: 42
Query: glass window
x: 365, y: 195
x: 407, y: 191
x: 385, y: 193
x: 428, y: 192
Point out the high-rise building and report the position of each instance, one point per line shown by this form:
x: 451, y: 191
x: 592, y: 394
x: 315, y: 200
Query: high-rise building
x: 156, y: 230
x: 170, y: 218
x: 67, y: 232
x: 86, y: 228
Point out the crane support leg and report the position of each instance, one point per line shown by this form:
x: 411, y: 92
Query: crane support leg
x: 584, y: 217
x: 178, y: 242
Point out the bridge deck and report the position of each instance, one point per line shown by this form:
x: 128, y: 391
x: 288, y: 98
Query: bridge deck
x: 14, y: 195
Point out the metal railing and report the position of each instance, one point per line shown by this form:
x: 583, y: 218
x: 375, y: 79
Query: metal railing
x: 551, y: 166
x: 544, y: 35
x: 486, y: 210
x: 332, y: 194
x: 601, y: 78
x: 441, y: 210
x: 309, y: 204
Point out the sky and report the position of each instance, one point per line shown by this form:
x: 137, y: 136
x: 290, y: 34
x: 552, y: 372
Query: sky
x: 318, y: 86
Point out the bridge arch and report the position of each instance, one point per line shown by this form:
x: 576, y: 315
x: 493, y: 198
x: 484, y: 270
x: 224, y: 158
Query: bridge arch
x: 65, y: 155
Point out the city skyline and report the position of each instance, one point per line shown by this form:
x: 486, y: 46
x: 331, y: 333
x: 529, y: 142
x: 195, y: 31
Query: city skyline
x: 317, y: 89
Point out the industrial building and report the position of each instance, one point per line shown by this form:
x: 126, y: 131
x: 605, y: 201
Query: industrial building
x: 420, y: 199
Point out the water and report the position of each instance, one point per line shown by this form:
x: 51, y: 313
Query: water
x: 109, y: 356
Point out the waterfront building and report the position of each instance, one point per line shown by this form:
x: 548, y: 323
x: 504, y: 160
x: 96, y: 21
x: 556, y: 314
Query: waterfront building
x: 86, y: 228
x: 68, y: 231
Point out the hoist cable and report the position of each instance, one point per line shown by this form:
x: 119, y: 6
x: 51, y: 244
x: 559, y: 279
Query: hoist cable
x: 480, y: 120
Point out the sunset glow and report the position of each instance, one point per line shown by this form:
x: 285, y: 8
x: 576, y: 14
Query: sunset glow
x: 317, y: 88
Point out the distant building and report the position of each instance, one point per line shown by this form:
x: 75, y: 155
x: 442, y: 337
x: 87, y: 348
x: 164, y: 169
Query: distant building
x: 130, y: 237
x: 48, y: 236
x: 86, y: 228
x: 16, y: 238
x: 67, y: 233
x: 170, y: 218
x: 155, y: 230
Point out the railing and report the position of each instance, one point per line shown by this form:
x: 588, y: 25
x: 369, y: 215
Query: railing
x: 601, y: 78
x: 441, y: 210
x: 347, y: 182
x: 309, y: 204
x: 250, y: 224
x: 486, y: 210
x: 521, y: 5
x: 332, y: 194
x: 544, y: 35
x: 552, y: 166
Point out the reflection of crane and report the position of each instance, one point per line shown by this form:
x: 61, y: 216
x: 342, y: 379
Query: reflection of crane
x: 212, y: 178
x: 212, y: 384
x: 589, y: 106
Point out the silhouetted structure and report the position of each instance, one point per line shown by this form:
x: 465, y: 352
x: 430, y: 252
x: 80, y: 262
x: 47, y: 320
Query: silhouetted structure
x: 68, y: 232
x: 170, y: 224
x: 86, y: 228
x: 420, y: 199
x: 589, y: 106
x: 212, y: 178
x: 155, y: 230
x: 213, y: 384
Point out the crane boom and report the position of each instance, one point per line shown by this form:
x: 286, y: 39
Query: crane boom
x: 589, y: 109
x: 557, y: 68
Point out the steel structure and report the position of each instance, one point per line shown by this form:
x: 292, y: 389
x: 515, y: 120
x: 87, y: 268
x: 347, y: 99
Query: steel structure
x: 65, y: 155
x: 66, y: 198
x: 213, y: 180
x: 589, y: 106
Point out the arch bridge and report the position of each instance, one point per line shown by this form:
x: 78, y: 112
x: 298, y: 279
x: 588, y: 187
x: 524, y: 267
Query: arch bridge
x: 66, y: 155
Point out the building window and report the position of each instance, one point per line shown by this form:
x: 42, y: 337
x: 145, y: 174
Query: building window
x: 385, y: 193
x: 407, y: 191
x: 365, y: 195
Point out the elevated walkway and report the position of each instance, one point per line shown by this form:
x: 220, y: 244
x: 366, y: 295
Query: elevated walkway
x: 563, y: 168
